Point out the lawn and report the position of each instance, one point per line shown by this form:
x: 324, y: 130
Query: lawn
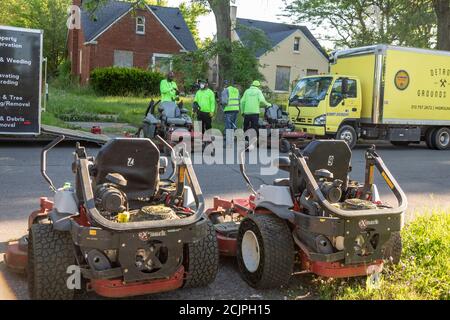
x: 81, y: 104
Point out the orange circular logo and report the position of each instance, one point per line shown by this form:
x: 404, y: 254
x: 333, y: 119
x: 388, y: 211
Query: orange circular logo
x: 402, y: 80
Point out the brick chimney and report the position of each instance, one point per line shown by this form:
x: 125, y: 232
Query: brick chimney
x: 74, y: 47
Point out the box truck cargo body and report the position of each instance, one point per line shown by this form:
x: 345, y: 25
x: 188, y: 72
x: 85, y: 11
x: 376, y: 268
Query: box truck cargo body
x: 379, y: 92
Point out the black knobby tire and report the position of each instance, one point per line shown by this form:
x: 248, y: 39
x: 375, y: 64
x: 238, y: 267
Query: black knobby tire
x: 202, y: 260
x: 276, y: 248
x: 350, y: 132
x: 50, y: 253
x: 441, y: 138
x: 392, y: 250
x: 400, y: 143
x: 285, y: 146
x: 429, y: 138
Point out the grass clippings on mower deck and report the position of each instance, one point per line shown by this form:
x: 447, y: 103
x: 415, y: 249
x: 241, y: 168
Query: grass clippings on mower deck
x: 153, y: 213
x: 423, y: 272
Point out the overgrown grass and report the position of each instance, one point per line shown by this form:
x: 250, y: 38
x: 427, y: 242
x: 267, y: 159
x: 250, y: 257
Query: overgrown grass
x: 423, y: 273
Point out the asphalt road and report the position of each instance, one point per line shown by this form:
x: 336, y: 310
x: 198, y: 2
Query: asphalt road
x: 423, y: 174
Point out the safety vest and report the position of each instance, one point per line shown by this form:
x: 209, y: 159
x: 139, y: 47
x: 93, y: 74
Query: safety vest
x: 168, y: 90
x: 233, y: 100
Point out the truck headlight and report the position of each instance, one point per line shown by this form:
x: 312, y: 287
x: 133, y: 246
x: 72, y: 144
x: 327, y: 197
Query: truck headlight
x: 320, y: 121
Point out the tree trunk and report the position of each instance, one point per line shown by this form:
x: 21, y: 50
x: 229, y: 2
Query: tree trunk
x: 442, y: 9
x: 221, y: 10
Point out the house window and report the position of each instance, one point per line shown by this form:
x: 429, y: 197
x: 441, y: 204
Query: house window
x: 140, y: 25
x: 123, y: 59
x: 312, y: 72
x: 283, y: 78
x: 296, y: 44
x: 161, y: 63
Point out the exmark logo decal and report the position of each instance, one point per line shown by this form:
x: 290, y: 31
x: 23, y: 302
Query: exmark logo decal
x: 364, y: 224
x: 130, y: 162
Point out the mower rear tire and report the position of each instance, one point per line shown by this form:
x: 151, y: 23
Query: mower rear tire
x: 265, y: 251
x: 50, y: 253
x: 202, y: 260
x: 285, y: 146
x: 392, y: 250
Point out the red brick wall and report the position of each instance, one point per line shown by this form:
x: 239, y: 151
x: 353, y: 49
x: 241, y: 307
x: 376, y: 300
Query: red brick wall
x: 122, y: 36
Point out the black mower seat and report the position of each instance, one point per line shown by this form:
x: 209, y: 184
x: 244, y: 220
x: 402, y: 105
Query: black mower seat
x: 137, y: 160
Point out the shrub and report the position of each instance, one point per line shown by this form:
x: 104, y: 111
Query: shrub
x: 64, y: 78
x: 115, y: 81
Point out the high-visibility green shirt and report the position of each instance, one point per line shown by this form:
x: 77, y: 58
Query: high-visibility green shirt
x: 206, y: 100
x: 233, y: 99
x: 168, y: 90
x: 252, y: 100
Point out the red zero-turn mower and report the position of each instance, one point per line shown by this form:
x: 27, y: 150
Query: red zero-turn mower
x: 316, y: 221
x: 173, y: 124
x: 126, y: 230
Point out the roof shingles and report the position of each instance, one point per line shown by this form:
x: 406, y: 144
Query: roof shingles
x: 276, y: 32
x: 103, y: 17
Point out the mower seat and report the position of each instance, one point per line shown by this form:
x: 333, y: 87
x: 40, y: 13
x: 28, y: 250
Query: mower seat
x: 171, y: 114
x: 137, y: 160
x: 332, y: 155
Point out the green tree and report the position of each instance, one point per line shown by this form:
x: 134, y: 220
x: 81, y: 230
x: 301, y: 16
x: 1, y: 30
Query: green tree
x: 442, y: 9
x: 191, y: 12
x: 47, y: 15
x: 350, y: 23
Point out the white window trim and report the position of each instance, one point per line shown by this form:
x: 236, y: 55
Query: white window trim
x: 299, y: 41
x: 161, y: 55
x: 81, y: 61
x: 140, y: 25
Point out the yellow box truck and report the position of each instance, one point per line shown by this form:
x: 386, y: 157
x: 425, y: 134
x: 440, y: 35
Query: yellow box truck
x: 379, y: 92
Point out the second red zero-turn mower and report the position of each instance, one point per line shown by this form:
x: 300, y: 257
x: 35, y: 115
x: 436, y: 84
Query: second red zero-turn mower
x: 129, y: 231
x: 316, y: 221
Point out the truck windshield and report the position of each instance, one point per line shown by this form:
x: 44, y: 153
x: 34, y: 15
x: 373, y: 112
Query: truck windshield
x: 310, y: 91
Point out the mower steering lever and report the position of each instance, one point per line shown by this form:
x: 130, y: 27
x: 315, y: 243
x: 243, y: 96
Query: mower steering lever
x: 46, y: 149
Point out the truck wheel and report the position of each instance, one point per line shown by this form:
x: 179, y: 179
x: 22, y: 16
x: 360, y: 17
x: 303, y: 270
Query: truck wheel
x: 441, y: 138
x: 265, y: 251
x: 285, y: 146
x: 202, y: 260
x: 392, y: 250
x: 348, y: 134
x: 429, y: 138
x: 50, y: 253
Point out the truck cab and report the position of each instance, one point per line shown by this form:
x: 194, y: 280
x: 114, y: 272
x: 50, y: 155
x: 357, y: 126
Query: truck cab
x: 323, y: 105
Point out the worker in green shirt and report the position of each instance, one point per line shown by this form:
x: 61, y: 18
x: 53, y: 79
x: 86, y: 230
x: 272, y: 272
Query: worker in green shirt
x: 169, y: 89
x: 205, y: 104
x: 251, y: 102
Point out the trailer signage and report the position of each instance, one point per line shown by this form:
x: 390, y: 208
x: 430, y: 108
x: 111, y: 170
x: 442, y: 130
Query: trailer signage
x: 20, y: 80
x: 402, y: 80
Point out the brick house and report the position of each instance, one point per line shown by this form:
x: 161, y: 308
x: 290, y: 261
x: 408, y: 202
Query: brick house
x: 124, y: 36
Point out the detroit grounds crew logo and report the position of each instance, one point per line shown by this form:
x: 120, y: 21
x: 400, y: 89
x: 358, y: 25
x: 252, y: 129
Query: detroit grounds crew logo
x: 402, y: 80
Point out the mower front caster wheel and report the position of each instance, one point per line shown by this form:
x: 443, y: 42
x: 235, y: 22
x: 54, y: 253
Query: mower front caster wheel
x: 50, y: 253
x: 285, y: 146
x: 202, y: 260
x: 265, y: 251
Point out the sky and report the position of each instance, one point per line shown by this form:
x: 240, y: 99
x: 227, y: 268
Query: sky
x: 266, y: 10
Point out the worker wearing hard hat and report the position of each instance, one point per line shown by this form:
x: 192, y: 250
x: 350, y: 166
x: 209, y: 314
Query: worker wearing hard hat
x: 205, y: 105
x: 251, y: 102
x: 169, y: 88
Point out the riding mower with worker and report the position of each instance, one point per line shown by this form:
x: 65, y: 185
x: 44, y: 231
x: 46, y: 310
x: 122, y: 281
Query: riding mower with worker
x: 172, y: 123
x: 122, y: 228
x: 316, y: 221
x: 275, y: 118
